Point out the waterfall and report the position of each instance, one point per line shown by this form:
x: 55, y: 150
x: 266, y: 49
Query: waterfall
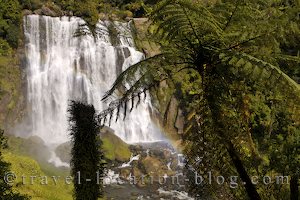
x: 61, y: 66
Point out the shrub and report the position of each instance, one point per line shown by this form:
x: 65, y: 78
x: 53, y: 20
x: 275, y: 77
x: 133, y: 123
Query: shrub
x: 10, y: 21
x: 138, y: 9
x: 13, y: 35
x: 5, y: 49
x: 31, y: 4
x: 123, y: 14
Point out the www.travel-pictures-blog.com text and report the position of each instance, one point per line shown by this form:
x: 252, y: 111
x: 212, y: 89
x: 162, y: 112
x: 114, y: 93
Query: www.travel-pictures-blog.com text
x: 177, y: 179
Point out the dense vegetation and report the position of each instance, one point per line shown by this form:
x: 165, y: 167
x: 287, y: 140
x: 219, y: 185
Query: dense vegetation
x: 89, y: 10
x: 6, y: 191
x: 230, y: 66
x: 10, y: 18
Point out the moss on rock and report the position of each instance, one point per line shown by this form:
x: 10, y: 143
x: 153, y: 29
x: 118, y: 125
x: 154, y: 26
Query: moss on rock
x: 114, y: 148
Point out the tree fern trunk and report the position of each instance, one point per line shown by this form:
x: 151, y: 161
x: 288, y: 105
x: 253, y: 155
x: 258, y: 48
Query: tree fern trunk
x: 213, y: 93
x: 87, y: 159
x: 294, y: 187
x: 250, y: 188
x: 237, y: 162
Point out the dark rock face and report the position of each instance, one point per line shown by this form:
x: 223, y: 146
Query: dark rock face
x: 116, y: 151
x: 36, y: 147
x: 122, y: 54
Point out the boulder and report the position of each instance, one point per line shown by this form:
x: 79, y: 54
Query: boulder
x: 152, y: 165
x: 38, y: 12
x: 115, y: 149
x: 53, y: 11
x: 124, y: 173
x: 26, y: 12
x: 47, y: 11
x: 63, y: 151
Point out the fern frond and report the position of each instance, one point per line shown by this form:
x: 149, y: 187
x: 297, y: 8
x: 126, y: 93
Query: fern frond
x: 131, y: 73
x: 246, y: 62
x: 182, y: 17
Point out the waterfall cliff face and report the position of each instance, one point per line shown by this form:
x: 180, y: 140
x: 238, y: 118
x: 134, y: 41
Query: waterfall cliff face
x: 61, y: 67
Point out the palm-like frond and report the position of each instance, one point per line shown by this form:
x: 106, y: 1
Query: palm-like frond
x: 177, y: 19
x: 136, y: 80
x: 259, y: 69
x: 134, y: 72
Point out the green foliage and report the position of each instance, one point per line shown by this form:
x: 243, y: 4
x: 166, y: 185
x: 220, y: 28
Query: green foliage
x: 10, y: 13
x: 5, y: 49
x: 31, y: 4
x: 10, y: 21
x: 123, y: 9
x: 65, y: 4
x: 26, y: 166
x: 24, y: 161
x: 6, y: 191
x: 137, y: 8
x: 87, y: 157
x: 10, y: 83
x: 88, y: 10
x: 123, y: 14
x: 216, y: 56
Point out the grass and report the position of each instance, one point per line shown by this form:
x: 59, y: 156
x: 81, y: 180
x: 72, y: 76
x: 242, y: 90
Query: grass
x: 33, y: 147
x: 22, y: 163
x: 26, y: 163
x: 34, y: 182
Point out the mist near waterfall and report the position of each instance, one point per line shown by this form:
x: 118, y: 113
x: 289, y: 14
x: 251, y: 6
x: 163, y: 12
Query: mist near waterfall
x: 61, y: 67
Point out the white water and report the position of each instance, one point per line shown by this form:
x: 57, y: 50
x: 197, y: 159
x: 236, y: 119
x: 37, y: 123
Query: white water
x: 174, y: 194
x: 57, y: 161
x: 132, y: 158
x: 181, y: 160
x: 61, y: 67
x: 112, y: 178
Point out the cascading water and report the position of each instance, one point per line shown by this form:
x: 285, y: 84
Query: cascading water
x: 62, y: 67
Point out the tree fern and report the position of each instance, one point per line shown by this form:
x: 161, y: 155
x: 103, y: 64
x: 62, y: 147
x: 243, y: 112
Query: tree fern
x: 221, y: 43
